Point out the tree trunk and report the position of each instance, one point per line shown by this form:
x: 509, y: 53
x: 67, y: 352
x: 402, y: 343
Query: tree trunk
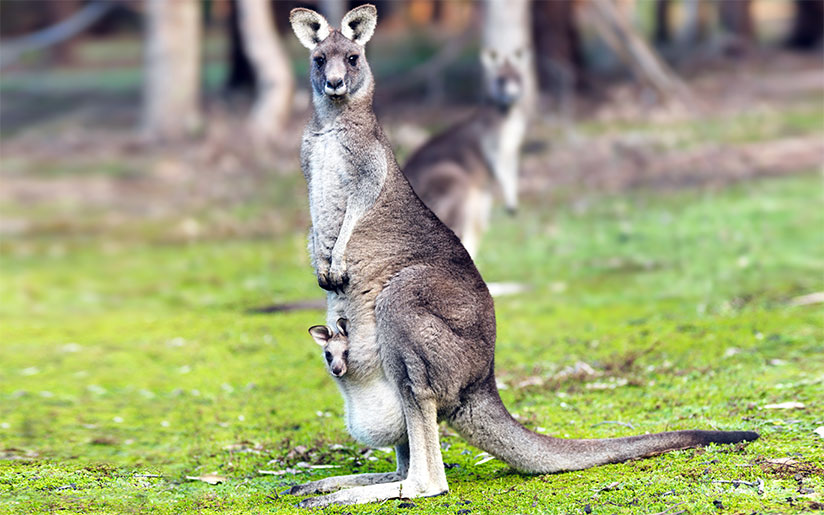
x: 736, y: 18
x: 808, y: 27
x: 506, y: 29
x: 558, y: 55
x: 695, y: 24
x: 172, y: 69
x: 663, y: 32
x: 273, y: 71
x: 63, y: 53
x: 634, y: 51
x: 241, y: 76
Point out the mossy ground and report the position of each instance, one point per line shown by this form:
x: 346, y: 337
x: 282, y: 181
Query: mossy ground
x: 121, y: 358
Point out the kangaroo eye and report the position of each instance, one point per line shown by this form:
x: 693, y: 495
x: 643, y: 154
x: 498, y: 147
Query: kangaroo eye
x: 320, y: 61
x: 346, y: 354
x: 328, y: 356
x: 353, y: 60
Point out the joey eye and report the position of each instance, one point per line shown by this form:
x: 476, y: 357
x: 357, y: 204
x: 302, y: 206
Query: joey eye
x: 353, y: 60
x: 346, y: 354
x: 328, y: 356
x: 320, y: 61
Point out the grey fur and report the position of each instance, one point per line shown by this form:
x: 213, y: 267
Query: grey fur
x: 421, y: 321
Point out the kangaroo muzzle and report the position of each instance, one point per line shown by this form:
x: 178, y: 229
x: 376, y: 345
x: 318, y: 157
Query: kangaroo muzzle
x: 335, y: 87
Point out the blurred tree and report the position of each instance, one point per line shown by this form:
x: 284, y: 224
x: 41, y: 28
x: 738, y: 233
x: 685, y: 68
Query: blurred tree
x: 696, y: 23
x: 663, y: 30
x: 808, y: 25
x: 736, y: 18
x: 558, y: 55
x: 631, y: 48
x: 273, y: 71
x: 172, y: 69
x: 241, y: 76
x: 63, y: 52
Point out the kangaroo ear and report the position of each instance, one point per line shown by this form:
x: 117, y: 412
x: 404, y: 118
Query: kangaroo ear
x: 359, y: 23
x: 343, y: 326
x: 310, y: 27
x: 320, y: 333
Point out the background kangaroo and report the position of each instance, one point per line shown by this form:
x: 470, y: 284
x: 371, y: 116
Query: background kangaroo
x: 455, y: 172
x: 421, y: 320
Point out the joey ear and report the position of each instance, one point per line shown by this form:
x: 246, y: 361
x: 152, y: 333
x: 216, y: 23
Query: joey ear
x: 359, y: 23
x: 310, y: 27
x: 343, y: 326
x: 320, y: 333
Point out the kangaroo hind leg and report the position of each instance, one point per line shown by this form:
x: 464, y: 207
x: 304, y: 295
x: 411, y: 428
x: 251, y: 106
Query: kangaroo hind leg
x: 426, y: 475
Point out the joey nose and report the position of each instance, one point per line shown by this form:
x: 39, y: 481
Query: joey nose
x: 334, y: 83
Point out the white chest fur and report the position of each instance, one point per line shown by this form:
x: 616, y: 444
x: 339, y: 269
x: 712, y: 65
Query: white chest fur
x: 328, y: 172
x: 374, y: 415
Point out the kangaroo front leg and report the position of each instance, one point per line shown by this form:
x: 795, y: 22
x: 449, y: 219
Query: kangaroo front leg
x: 426, y: 475
x: 320, y: 254
x: 330, y: 484
x: 338, y: 277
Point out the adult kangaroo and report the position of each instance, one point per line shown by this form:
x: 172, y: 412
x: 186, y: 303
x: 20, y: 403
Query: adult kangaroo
x: 421, y: 321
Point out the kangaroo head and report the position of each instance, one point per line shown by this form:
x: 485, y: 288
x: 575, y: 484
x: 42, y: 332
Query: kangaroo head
x: 504, y: 84
x: 335, y: 346
x: 339, y: 70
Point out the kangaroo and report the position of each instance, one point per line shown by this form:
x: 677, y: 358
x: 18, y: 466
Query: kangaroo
x: 455, y: 172
x: 421, y: 320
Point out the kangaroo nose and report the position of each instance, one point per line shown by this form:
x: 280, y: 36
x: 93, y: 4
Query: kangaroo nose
x: 334, y: 83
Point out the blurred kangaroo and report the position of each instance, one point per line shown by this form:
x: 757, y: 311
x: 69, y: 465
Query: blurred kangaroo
x: 455, y: 172
x: 421, y: 321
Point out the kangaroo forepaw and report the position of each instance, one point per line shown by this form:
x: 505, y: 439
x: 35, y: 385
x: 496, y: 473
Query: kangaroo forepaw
x: 324, y: 281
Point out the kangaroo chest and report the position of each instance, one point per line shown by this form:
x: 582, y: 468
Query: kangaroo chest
x: 329, y: 180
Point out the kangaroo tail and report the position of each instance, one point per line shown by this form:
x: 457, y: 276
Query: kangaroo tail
x: 485, y: 423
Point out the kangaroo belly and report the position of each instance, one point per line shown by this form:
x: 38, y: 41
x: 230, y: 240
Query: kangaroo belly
x: 373, y: 413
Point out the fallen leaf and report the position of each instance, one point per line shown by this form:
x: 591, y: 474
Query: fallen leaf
x: 300, y: 450
x: 212, y: 479
x: 488, y: 458
x: 785, y: 405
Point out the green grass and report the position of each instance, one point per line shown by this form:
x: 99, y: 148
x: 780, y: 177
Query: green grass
x: 120, y: 358
x: 799, y: 118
